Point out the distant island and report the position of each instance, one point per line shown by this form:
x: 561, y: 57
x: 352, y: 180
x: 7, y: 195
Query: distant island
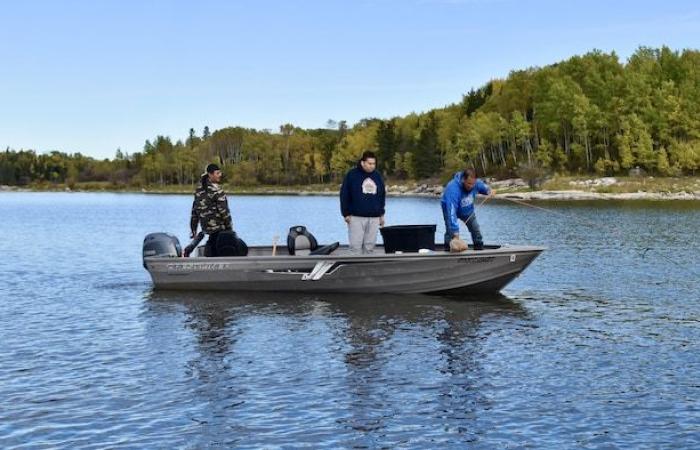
x: 554, y: 128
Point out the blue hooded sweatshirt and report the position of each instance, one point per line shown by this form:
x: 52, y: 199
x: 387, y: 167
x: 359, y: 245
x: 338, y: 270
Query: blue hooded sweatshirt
x: 362, y: 194
x: 458, y: 203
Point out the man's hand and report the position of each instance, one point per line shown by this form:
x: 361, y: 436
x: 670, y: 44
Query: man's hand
x: 347, y: 219
x: 492, y: 192
x: 381, y: 221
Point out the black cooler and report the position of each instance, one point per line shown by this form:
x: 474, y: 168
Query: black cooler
x: 408, y: 238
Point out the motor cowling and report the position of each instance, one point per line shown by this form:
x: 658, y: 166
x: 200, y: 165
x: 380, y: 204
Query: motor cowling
x: 161, y: 245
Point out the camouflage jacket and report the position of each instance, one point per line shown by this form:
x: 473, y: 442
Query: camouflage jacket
x: 210, y: 209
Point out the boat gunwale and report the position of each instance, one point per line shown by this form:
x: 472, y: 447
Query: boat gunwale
x: 377, y: 257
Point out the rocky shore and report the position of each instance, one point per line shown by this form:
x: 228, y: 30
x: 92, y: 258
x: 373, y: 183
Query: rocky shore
x: 587, y: 195
x: 515, y: 188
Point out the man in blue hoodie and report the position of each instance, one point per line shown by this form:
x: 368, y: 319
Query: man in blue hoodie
x: 458, y: 201
x: 362, y: 201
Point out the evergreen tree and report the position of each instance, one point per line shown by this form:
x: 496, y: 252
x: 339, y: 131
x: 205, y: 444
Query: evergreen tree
x: 386, y: 145
x: 427, y: 153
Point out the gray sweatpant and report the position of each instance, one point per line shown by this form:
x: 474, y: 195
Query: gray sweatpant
x: 362, y: 234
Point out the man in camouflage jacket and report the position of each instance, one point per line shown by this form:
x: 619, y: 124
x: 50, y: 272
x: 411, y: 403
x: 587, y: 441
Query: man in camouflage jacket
x: 210, y: 208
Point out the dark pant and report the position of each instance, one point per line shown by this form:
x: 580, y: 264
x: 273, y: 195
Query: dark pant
x: 210, y: 247
x: 472, y: 226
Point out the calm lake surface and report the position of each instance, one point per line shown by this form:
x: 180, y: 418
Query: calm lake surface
x: 596, y: 345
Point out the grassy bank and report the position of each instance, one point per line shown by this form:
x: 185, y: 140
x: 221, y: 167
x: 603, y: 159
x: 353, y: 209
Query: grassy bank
x: 624, y: 185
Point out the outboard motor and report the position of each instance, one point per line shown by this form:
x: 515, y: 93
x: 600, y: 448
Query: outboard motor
x: 163, y: 245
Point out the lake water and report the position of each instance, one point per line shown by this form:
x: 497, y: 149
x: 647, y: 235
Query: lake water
x: 596, y: 345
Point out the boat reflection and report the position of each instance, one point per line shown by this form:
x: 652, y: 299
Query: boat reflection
x: 366, y: 352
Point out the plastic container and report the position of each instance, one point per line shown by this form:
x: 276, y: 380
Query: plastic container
x: 408, y: 238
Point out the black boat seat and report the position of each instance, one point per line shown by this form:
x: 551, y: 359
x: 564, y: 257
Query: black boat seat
x: 301, y: 242
x: 326, y: 249
x: 229, y: 244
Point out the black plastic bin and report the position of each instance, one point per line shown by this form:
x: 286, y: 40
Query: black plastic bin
x: 408, y: 238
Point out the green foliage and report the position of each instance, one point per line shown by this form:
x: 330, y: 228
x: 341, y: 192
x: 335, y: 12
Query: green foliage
x: 532, y: 174
x: 606, y: 167
x: 386, y: 143
x: 409, y: 165
x: 362, y: 137
x: 662, y: 165
x: 590, y: 113
x: 475, y: 99
x: 685, y: 156
x: 426, y: 156
x: 242, y: 174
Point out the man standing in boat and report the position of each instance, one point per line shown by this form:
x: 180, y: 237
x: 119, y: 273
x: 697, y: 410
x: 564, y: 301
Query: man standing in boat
x: 458, y: 201
x: 210, y: 208
x: 362, y: 201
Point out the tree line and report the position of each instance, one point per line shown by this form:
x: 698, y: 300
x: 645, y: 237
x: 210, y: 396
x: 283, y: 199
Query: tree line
x: 588, y: 114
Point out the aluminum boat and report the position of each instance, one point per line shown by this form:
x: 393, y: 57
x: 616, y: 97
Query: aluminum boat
x: 339, y: 270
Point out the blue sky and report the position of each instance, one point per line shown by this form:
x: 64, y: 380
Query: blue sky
x: 92, y: 76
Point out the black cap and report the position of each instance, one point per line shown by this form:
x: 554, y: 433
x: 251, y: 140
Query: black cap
x: 211, y: 168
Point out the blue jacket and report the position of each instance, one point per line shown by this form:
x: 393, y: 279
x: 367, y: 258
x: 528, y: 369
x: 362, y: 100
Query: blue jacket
x: 362, y: 194
x: 458, y: 203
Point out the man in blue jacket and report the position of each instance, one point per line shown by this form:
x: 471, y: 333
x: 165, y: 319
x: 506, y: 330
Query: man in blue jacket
x: 458, y: 201
x: 362, y: 200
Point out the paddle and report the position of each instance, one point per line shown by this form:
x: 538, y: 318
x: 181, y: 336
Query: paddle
x: 275, y: 238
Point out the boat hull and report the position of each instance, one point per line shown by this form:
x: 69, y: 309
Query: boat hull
x: 471, y: 271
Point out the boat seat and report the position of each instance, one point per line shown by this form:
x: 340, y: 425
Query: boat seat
x: 301, y: 242
x: 326, y: 249
x: 229, y: 244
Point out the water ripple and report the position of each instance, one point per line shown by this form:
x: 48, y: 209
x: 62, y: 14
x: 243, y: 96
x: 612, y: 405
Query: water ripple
x: 593, y: 347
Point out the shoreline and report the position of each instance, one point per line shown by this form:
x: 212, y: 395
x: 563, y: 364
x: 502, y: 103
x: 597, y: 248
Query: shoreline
x: 561, y: 189
x: 544, y: 195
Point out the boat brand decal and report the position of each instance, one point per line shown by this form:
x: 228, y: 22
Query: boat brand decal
x: 478, y: 260
x: 198, y: 267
